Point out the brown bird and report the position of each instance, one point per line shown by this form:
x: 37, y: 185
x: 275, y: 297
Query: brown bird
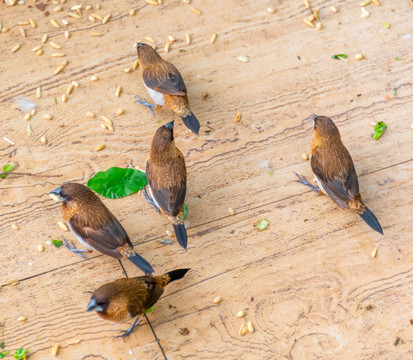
x: 334, y: 171
x: 95, y: 226
x: 165, y: 85
x: 124, y: 299
x: 166, y: 174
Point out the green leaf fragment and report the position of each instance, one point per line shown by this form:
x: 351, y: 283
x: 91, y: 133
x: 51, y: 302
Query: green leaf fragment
x: 20, y: 353
x: 150, y: 309
x: 116, y: 183
x: 6, y: 168
x: 394, y: 91
x: 55, y: 101
x: 379, y: 130
x: 3, y: 354
x: 340, y: 56
x: 185, y: 211
x: 181, y: 50
x: 397, y: 58
x: 57, y: 243
x: 386, y: 25
x: 262, y: 225
x: 207, y: 131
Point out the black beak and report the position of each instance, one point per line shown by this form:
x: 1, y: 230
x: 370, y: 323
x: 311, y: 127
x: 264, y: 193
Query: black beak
x: 170, y: 125
x: 315, y: 117
x: 92, y: 306
x: 140, y: 44
x: 58, y: 193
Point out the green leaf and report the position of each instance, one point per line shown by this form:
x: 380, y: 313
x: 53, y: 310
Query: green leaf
x: 181, y: 50
x: 207, y: 131
x: 394, y: 91
x: 386, y: 25
x: 185, y: 211
x: 150, y: 309
x: 397, y: 58
x: 262, y: 225
x: 340, y: 56
x: 57, y: 243
x: 116, y: 182
x: 3, y: 354
x: 379, y: 130
x: 20, y: 353
x: 7, y: 168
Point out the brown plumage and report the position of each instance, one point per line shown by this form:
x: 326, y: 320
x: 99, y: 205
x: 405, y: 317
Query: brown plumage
x: 95, y: 226
x: 124, y: 299
x: 334, y: 170
x: 165, y: 85
x: 166, y: 174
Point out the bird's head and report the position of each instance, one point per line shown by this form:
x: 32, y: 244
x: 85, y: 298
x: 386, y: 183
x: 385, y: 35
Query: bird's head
x: 147, y: 55
x: 73, y: 192
x: 324, y: 128
x: 98, y: 303
x: 164, y: 137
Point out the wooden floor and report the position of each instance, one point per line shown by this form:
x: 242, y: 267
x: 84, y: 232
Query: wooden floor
x: 309, y: 283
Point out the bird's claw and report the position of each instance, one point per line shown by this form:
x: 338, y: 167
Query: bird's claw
x: 148, y: 105
x: 304, y: 181
x: 126, y: 333
x: 150, y: 201
x: 73, y: 248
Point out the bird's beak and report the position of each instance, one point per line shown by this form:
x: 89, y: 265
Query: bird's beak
x: 314, y: 117
x: 93, y: 306
x: 58, y: 193
x: 139, y: 45
x: 170, y: 125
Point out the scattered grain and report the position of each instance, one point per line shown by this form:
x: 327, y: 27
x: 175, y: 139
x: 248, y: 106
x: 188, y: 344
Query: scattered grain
x: 168, y: 233
x: 213, y: 38
x: 9, y: 141
x: 69, y: 89
x: 5, y: 29
x: 62, y: 225
x: 231, y: 211
x: 53, y: 44
x: 364, y: 13
x: 319, y: 26
x: 36, y: 48
x: 23, y: 23
x: 244, y: 59
x: 95, y: 34
x: 67, y: 34
x: 23, y: 32
x: 131, y: 12
x: 33, y: 112
x: 55, y: 349
x: 94, y: 78
x: 127, y: 70
x: 21, y: 319
x: 150, y: 39
x: 107, y: 120
x: 90, y: 114
x: 307, y: 4
x: 118, y: 91
x: 89, y: 7
x: 29, y: 130
x: 39, y: 52
x: 106, y: 18
x: 16, y: 48
x: 40, y: 248
x: 241, y: 314
x: 75, y: 83
x: 373, y: 124
x: 13, y: 282
x: 217, y: 300
x: 270, y: 10
x: 374, y: 252
x: 55, y: 23
x: 242, y: 330
x: 333, y: 9
x: 47, y: 117
x: 58, y: 54
x: 186, y: 2
x: 58, y: 8
x: 91, y: 19
x: 60, y: 68
x: 152, y: 2
x: 44, y: 38
x: 100, y: 147
x: 315, y: 13
x: 119, y: 112
x: 238, y: 117
x: 250, y: 326
x: 27, y: 116
x: 64, y: 98
x: 304, y: 156
x: 74, y: 15
x: 311, y: 18
x: 376, y: 2
x: 43, y: 139
x: 359, y: 56
x: 196, y: 11
x: 171, y: 38
x: 308, y: 23
x: 365, y: 3
x: 188, y: 39
x: 98, y: 6
x: 15, y: 227
x: 65, y: 22
x: 73, y: 341
x: 167, y: 47
x: 135, y: 64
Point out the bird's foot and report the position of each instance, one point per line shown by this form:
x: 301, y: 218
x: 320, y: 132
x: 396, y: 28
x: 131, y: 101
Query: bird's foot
x: 150, y: 201
x: 304, y: 181
x: 73, y: 248
x: 148, y: 105
x: 126, y: 333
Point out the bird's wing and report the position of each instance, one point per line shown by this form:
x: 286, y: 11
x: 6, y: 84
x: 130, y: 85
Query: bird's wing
x: 168, y: 184
x: 145, y: 293
x: 164, y: 78
x: 336, y: 174
x: 105, y: 237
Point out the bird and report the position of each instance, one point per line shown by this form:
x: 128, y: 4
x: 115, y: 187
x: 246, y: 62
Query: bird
x: 95, y: 226
x: 334, y: 171
x: 165, y: 85
x: 166, y: 175
x: 123, y: 299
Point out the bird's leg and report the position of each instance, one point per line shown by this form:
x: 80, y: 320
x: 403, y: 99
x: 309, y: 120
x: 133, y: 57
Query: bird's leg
x: 304, y: 181
x: 149, y: 200
x: 73, y: 249
x: 144, y: 103
x: 126, y: 333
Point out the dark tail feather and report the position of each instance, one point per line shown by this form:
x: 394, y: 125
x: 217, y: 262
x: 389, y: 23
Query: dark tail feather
x: 181, y: 236
x: 177, y: 274
x: 371, y: 220
x: 141, y: 263
x: 192, y: 123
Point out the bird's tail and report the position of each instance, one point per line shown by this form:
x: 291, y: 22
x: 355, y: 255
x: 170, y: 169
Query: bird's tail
x: 181, y: 236
x: 177, y: 274
x: 192, y: 123
x: 141, y: 263
x: 371, y: 220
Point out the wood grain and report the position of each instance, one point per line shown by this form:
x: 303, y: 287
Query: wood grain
x: 308, y: 283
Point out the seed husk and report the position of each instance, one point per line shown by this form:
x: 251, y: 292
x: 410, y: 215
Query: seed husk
x: 107, y: 120
x: 106, y: 18
x: 242, y: 330
x: 315, y: 13
x: 304, y: 156
x: 244, y: 59
x: 76, y: 7
x: 69, y: 89
x: 188, y: 39
x: 90, y: 114
x: 96, y: 16
x: 55, y: 349
x: 118, y: 91
x: 58, y: 55
x: 40, y: 248
x: 58, y: 8
x: 376, y: 2
x: 364, y: 13
x: 152, y: 2
x: 135, y: 64
x: 374, y: 252
x: 308, y: 23
x: 119, y: 112
x: 213, y: 38
x: 167, y: 47
x: 196, y: 11
x: 359, y: 56
x: 15, y: 227
x: 55, y: 23
x: 95, y: 34
x: 75, y: 83
x: 365, y: 3
x: 319, y: 26
x: 29, y: 130
x: 250, y: 326
x: 127, y: 70
x: 270, y: 10
x: 94, y: 78
x: 64, y: 98
x: 60, y: 68
x: 39, y: 52
x: 27, y: 116
x: 150, y: 39
x: 238, y: 117
x: 231, y: 211
x: 73, y: 341
x: 131, y: 12
x: 38, y: 47
x: 217, y: 300
x: 307, y: 4
x: 32, y: 23
x: 76, y: 16
x: 4, y: 29
x: 91, y: 18
x: 47, y: 117
x: 333, y: 9
x: 23, y: 32
x: 67, y: 34
x: 171, y: 38
x: 16, y: 47
x: 62, y: 225
x: 21, y: 319
x: 43, y: 139
x: 100, y: 147
x: 241, y: 314
x: 44, y: 38
x: 53, y: 44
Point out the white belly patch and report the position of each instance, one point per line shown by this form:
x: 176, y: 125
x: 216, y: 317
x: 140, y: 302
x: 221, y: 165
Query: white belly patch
x: 156, y: 96
x: 83, y: 242
x: 320, y: 186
